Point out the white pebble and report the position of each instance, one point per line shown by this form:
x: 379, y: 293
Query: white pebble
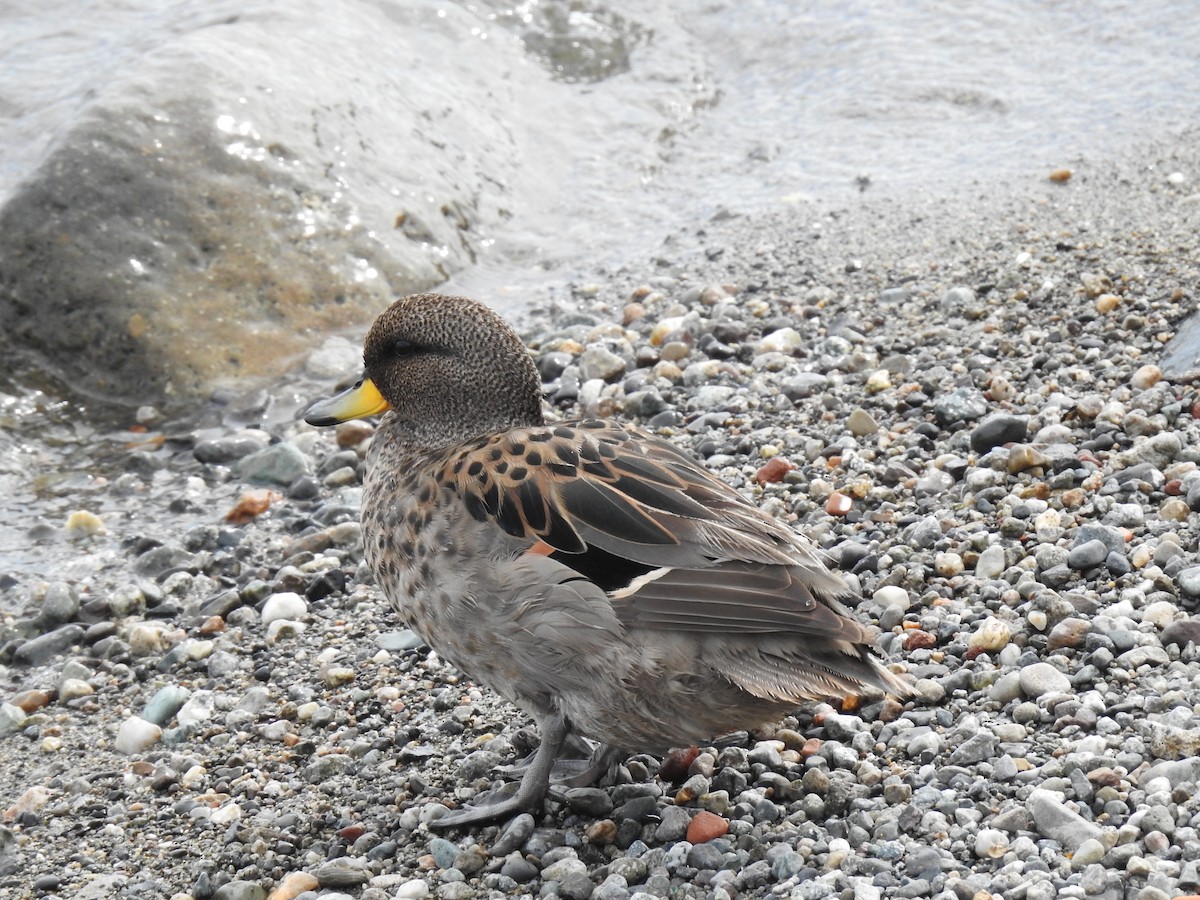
x: 135, y: 735
x: 992, y: 635
x: 948, y: 564
x: 285, y: 605
x: 412, y: 890
x: 230, y: 812
x: 282, y: 629
x: 991, y: 843
x: 892, y: 595
x: 990, y: 563
x: 1160, y: 613
x: 72, y: 688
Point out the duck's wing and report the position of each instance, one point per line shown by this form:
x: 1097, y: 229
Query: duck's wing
x: 623, y: 507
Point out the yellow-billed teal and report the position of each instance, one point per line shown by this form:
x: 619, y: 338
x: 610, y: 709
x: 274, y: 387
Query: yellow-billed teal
x: 589, y: 572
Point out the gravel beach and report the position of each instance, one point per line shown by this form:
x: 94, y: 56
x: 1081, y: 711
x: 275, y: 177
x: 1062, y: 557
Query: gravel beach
x: 962, y: 399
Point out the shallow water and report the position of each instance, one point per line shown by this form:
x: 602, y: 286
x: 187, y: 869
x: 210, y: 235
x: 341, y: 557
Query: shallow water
x: 675, y: 110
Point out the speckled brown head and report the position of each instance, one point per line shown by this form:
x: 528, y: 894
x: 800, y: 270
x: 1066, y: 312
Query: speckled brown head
x: 448, y: 368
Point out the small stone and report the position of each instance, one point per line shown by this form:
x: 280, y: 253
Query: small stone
x: 1146, y: 377
x: 30, y: 701
x: 992, y: 635
x: 12, y: 718
x: 226, y: 815
x: 1181, y: 633
x: 1106, y: 303
x: 600, y: 362
x: 948, y: 565
x: 1086, y: 555
x: 335, y: 676
x: 1060, y: 176
x: 991, y: 843
x: 136, y: 735
x: 81, y: 523
x: 1068, y: 633
x: 861, y: 423
x: 879, y: 380
x: 773, y: 470
x: 784, y: 340
x: 343, y: 872
x: 1187, y: 580
x: 73, y: 689
x: 960, y: 405
x: 165, y: 703
x: 990, y: 563
x: 32, y: 799
x: 706, y: 826
x: 1174, y: 510
x: 1052, y: 818
x: 284, y: 605
x: 998, y: 429
x: 1039, y: 679
x: 41, y: 649
x: 892, y: 595
x: 838, y: 504
x: 1022, y: 457
x: 60, y: 605
x: 279, y: 464
x: 294, y: 884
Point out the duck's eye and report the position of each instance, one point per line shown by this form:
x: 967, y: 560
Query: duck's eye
x: 401, y: 347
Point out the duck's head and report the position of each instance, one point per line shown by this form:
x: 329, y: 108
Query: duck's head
x: 448, y: 368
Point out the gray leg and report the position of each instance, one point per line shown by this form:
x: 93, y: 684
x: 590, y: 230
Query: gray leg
x: 533, y: 787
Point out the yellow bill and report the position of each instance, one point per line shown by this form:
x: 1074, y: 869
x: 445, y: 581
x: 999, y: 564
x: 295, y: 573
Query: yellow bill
x: 359, y: 401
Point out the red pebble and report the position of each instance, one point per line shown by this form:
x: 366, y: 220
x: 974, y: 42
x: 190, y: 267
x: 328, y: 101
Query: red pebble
x: 352, y: 832
x: 919, y: 640
x: 773, y: 470
x: 675, y: 764
x: 838, y: 504
x: 1173, y: 488
x: 705, y: 826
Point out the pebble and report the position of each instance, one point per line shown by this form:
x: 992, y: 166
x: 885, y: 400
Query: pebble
x: 861, y: 423
x: 1053, y: 819
x: 284, y: 605
x: 280, y: 464
x: 136, y: 735
x: 1039, y: 679
x: 990, y: 563
x: 998, y: 429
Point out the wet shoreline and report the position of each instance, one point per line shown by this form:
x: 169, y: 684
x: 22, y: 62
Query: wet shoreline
x: 966, y: 395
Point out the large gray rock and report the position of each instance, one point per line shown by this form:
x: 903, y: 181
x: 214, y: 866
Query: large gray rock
x: 188, y: 201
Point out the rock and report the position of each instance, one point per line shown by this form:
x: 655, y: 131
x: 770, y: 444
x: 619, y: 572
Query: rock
x: 1086, y: 555
x: 600, y: 362
x: 12, y: 718
x: 1042, y: 678
x: 136, y: 735
x: 165, y: 703
x: 992, y: 635
x: 975, y: 749
x: 61, y: 604
x: 345, y: 871
x: 41, y: 649
x: 284, y: 605
x: 1053, y: 819
x: 1188, y: 581
x: 1181, y: 633
x: 990, y: 563
x: 239, y: 890
x: 960, y: 405
x: 998, y: 429
x: 279, y: 464
x: 706, y: 826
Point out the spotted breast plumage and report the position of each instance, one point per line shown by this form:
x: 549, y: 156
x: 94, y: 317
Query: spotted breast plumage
x: 589, y: 572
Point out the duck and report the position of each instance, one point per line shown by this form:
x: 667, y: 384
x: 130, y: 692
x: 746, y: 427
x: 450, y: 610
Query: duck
x: 595, y: 575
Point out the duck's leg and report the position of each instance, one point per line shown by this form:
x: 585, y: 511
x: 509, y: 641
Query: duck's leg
x: 533, y: 787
